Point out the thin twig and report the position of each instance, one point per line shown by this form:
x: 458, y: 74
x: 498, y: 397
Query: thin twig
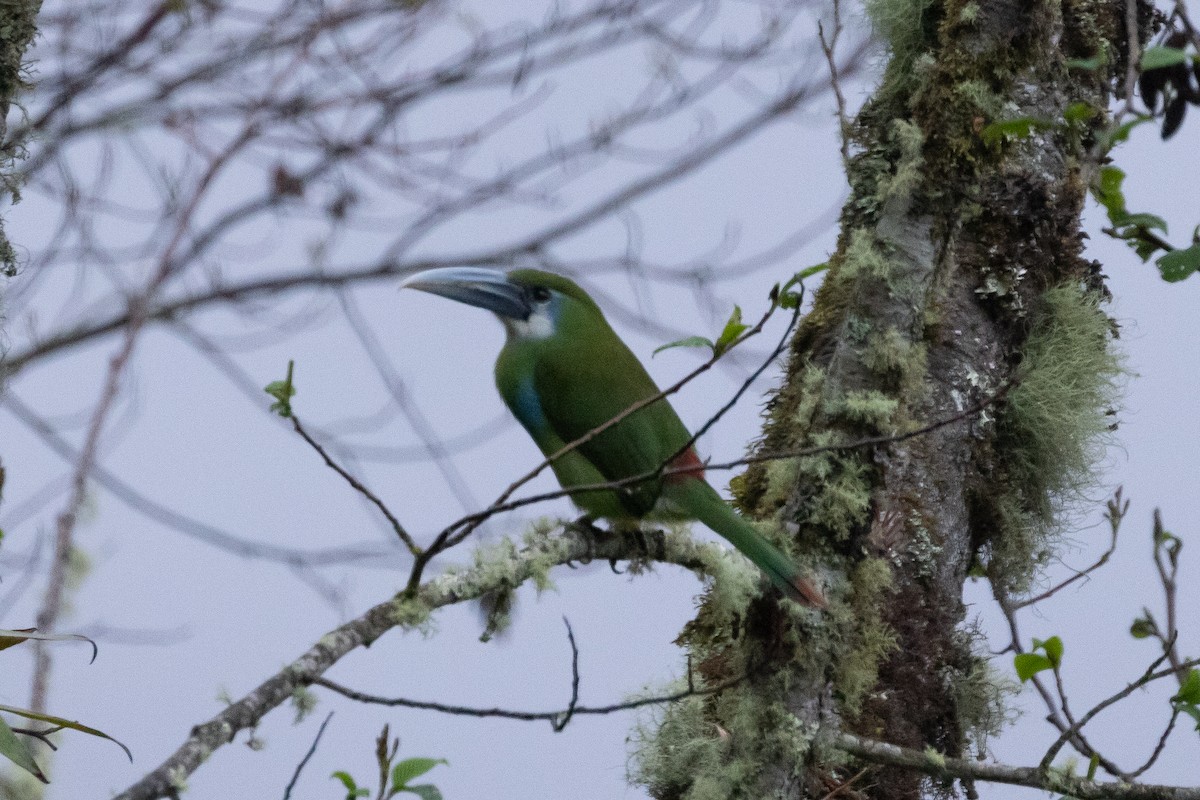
x: 287, y: 793
x: 1133, y: 53
x: 553, y: 717
x: 1149, y: 676
x: 1167, y: 573
x: 1076, y: 737
x: 561, y: 723
x: 828, y: 47
x: 358, y: 486
x: 1162, y: 744
x: 1114, y: 515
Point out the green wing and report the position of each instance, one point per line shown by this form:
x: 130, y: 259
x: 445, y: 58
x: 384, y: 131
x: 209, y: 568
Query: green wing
x: 580, y: 392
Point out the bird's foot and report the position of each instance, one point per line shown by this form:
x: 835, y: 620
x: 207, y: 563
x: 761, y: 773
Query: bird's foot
x: 586, y: 525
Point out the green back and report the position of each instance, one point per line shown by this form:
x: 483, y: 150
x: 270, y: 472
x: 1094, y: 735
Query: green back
x: 582, y: 376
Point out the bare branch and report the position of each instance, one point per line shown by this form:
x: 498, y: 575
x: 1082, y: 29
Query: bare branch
x: 943, y: 766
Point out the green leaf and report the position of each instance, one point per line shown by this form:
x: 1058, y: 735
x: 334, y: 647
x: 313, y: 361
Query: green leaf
x: 425, y: 791
x: 1053, y: 647
x: 1079, y: 112
x: 15, y: 751
x: 1159, y: 57
x: 1189, y: 693
x: 1019, y: 128
x: 733, y: 329
x: 1107, y: 192
x: 1089, y: 64
x: 283, y: 391
x: 1142, y: 220
x: 1030, y: 664
x: 66, y: 723
x: 690, y: 341
x: 1179, y: 264
x: 1115, y: 136
x: 815, y: 269
x: 787, y: 298
x: 1143, y: 628
x: 352, y: 789
x: 411, y: 768
x: 1191, y: 711
x: 8, y: 638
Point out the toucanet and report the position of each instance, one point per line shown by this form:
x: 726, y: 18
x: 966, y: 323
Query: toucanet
x: 564, y: 372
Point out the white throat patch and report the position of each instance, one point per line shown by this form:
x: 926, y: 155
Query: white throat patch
x: 539, y: 325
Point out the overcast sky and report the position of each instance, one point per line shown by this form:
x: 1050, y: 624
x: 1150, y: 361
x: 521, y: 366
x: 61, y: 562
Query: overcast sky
x: 181, y: 624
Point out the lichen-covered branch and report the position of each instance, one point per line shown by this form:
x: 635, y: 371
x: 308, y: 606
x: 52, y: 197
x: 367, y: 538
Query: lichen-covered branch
x: 503, y: 567
x: 937, y: 765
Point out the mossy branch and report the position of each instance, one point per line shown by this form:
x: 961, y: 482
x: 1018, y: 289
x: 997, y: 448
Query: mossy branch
x: 500, y: 567
x: 1055, y: 781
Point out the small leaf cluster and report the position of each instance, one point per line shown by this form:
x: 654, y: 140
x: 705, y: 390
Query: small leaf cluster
x: 1137, y: 229
x: 1030, y: 664
x: 1187, y: 700
x: 782, y: 296
x: 734, y: 327
x: 1172, y: 74
x: 283, y: 391
x: 394, y: 776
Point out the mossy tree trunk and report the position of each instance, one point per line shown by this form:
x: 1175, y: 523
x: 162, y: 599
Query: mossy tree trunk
x: 959, y: 270
x: 18, y: 24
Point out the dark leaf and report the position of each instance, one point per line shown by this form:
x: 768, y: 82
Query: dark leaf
x: 1150, y: 85
x: 1173, y: 117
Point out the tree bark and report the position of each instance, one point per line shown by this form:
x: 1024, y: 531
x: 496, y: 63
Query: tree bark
x: 19, y: 18
x: 959, y: 280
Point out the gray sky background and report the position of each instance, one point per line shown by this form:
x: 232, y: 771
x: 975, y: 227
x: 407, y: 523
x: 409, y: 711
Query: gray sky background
x: 187, y: 437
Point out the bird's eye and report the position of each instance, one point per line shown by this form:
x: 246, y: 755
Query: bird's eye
x: 540, y: 294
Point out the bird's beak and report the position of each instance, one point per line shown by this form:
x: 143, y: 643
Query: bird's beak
x: 475, y: 286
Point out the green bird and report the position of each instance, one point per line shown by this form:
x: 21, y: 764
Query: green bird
x: 564, y: 372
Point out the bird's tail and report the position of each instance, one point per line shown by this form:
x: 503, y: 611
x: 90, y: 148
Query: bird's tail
x: 703, y: 502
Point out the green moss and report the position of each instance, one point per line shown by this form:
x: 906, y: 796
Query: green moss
x: 1054, y: 427
x: 843, y: 499
x: 304, y: 700
x: 907, y: 27
x: 909, y: 173
x: 671, y: 748
x: 812, y: 381
x: 858, y: 666
x: 922, y: 551
x: 540, y: 559
x: 866, y: 407
x: 981, y: 694
x: 984, y: 100
x: 410, y: 613
x: 863, y: 257
x: 892, y: 355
